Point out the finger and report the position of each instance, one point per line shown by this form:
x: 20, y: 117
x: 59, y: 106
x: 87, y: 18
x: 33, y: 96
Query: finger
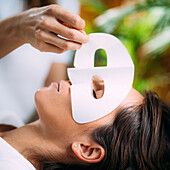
x: 52, y: 25
x: 59, y: 42
x: 70, y: 18
x: 45, y: 47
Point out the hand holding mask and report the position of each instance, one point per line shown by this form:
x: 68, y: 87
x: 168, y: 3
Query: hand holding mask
x: 117, y: 75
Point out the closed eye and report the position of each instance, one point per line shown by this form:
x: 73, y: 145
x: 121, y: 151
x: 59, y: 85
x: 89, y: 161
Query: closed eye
x: 94, y: 94
x: 97, y: 87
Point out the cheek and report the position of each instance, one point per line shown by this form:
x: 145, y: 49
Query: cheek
x: 61, y: 116
x: 61, y: 111
x: 46, y: 99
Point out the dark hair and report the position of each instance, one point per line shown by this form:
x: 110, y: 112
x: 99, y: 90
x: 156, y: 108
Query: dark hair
x: 39, y: 3
x: 139, y: 138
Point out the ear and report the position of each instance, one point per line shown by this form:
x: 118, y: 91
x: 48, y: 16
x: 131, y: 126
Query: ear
x: 88, y: 153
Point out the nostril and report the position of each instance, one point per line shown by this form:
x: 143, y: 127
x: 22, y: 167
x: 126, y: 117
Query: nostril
x: 59, y: 84
x: 69, y: 82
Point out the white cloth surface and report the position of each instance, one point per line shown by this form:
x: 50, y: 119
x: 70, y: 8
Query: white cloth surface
x: 24, y: 70
x: 10, y: 159
x: 10, y: 118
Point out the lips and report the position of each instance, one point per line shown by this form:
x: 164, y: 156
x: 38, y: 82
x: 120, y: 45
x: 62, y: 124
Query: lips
x: 58, y: 85
x: 55, y: 85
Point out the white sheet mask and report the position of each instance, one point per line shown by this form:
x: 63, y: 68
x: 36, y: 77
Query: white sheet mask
x: 117, y: 75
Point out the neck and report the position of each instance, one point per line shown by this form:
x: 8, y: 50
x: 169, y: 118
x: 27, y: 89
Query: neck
x: 30, y: 142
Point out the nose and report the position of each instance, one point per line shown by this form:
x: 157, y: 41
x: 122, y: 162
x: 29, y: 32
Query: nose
x: 64, y: 86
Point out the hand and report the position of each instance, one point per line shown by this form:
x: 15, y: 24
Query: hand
x: 51, y: 29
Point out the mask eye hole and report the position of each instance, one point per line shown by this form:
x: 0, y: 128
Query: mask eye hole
x: 97, y: 87
x: 100, y: 58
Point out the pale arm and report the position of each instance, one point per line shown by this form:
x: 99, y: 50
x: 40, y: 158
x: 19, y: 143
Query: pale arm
x: 9, y: 37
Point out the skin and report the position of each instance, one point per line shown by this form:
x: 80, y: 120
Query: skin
x: 42, y: 28
x: 57, y: 133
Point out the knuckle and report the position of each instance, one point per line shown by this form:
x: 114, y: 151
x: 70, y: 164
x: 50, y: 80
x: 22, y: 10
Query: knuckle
x: 66, y: 46
x: 52, y: 8
x: 39, y: 35
x: 76, y: 20
x: 45, y: 21
x: 59, y: 51
x: 72, y: 35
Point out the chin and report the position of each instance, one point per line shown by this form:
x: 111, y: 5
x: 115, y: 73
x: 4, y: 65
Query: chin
x: 39, y: 98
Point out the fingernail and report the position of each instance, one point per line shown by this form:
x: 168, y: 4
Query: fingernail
x: 87, y: 37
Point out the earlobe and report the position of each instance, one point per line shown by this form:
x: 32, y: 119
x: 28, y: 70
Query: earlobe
x: 88, y: 153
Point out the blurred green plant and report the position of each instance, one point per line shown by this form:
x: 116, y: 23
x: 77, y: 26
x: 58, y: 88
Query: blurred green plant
x: 100, y: 58
x: 96, y: 6
x: 144, y: 28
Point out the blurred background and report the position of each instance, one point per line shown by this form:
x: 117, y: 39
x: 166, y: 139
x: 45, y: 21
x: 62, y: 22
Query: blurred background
x: 143, y: 26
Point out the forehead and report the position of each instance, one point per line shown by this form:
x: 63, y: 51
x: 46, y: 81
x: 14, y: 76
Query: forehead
x: 133, y: 98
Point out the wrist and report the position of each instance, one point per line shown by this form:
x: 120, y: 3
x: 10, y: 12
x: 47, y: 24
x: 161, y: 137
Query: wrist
x: 16, y: 29
x: 9, y: 36
x: 11, y: 29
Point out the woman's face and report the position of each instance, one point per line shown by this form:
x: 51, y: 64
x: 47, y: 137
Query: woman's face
x: 54, y: 108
